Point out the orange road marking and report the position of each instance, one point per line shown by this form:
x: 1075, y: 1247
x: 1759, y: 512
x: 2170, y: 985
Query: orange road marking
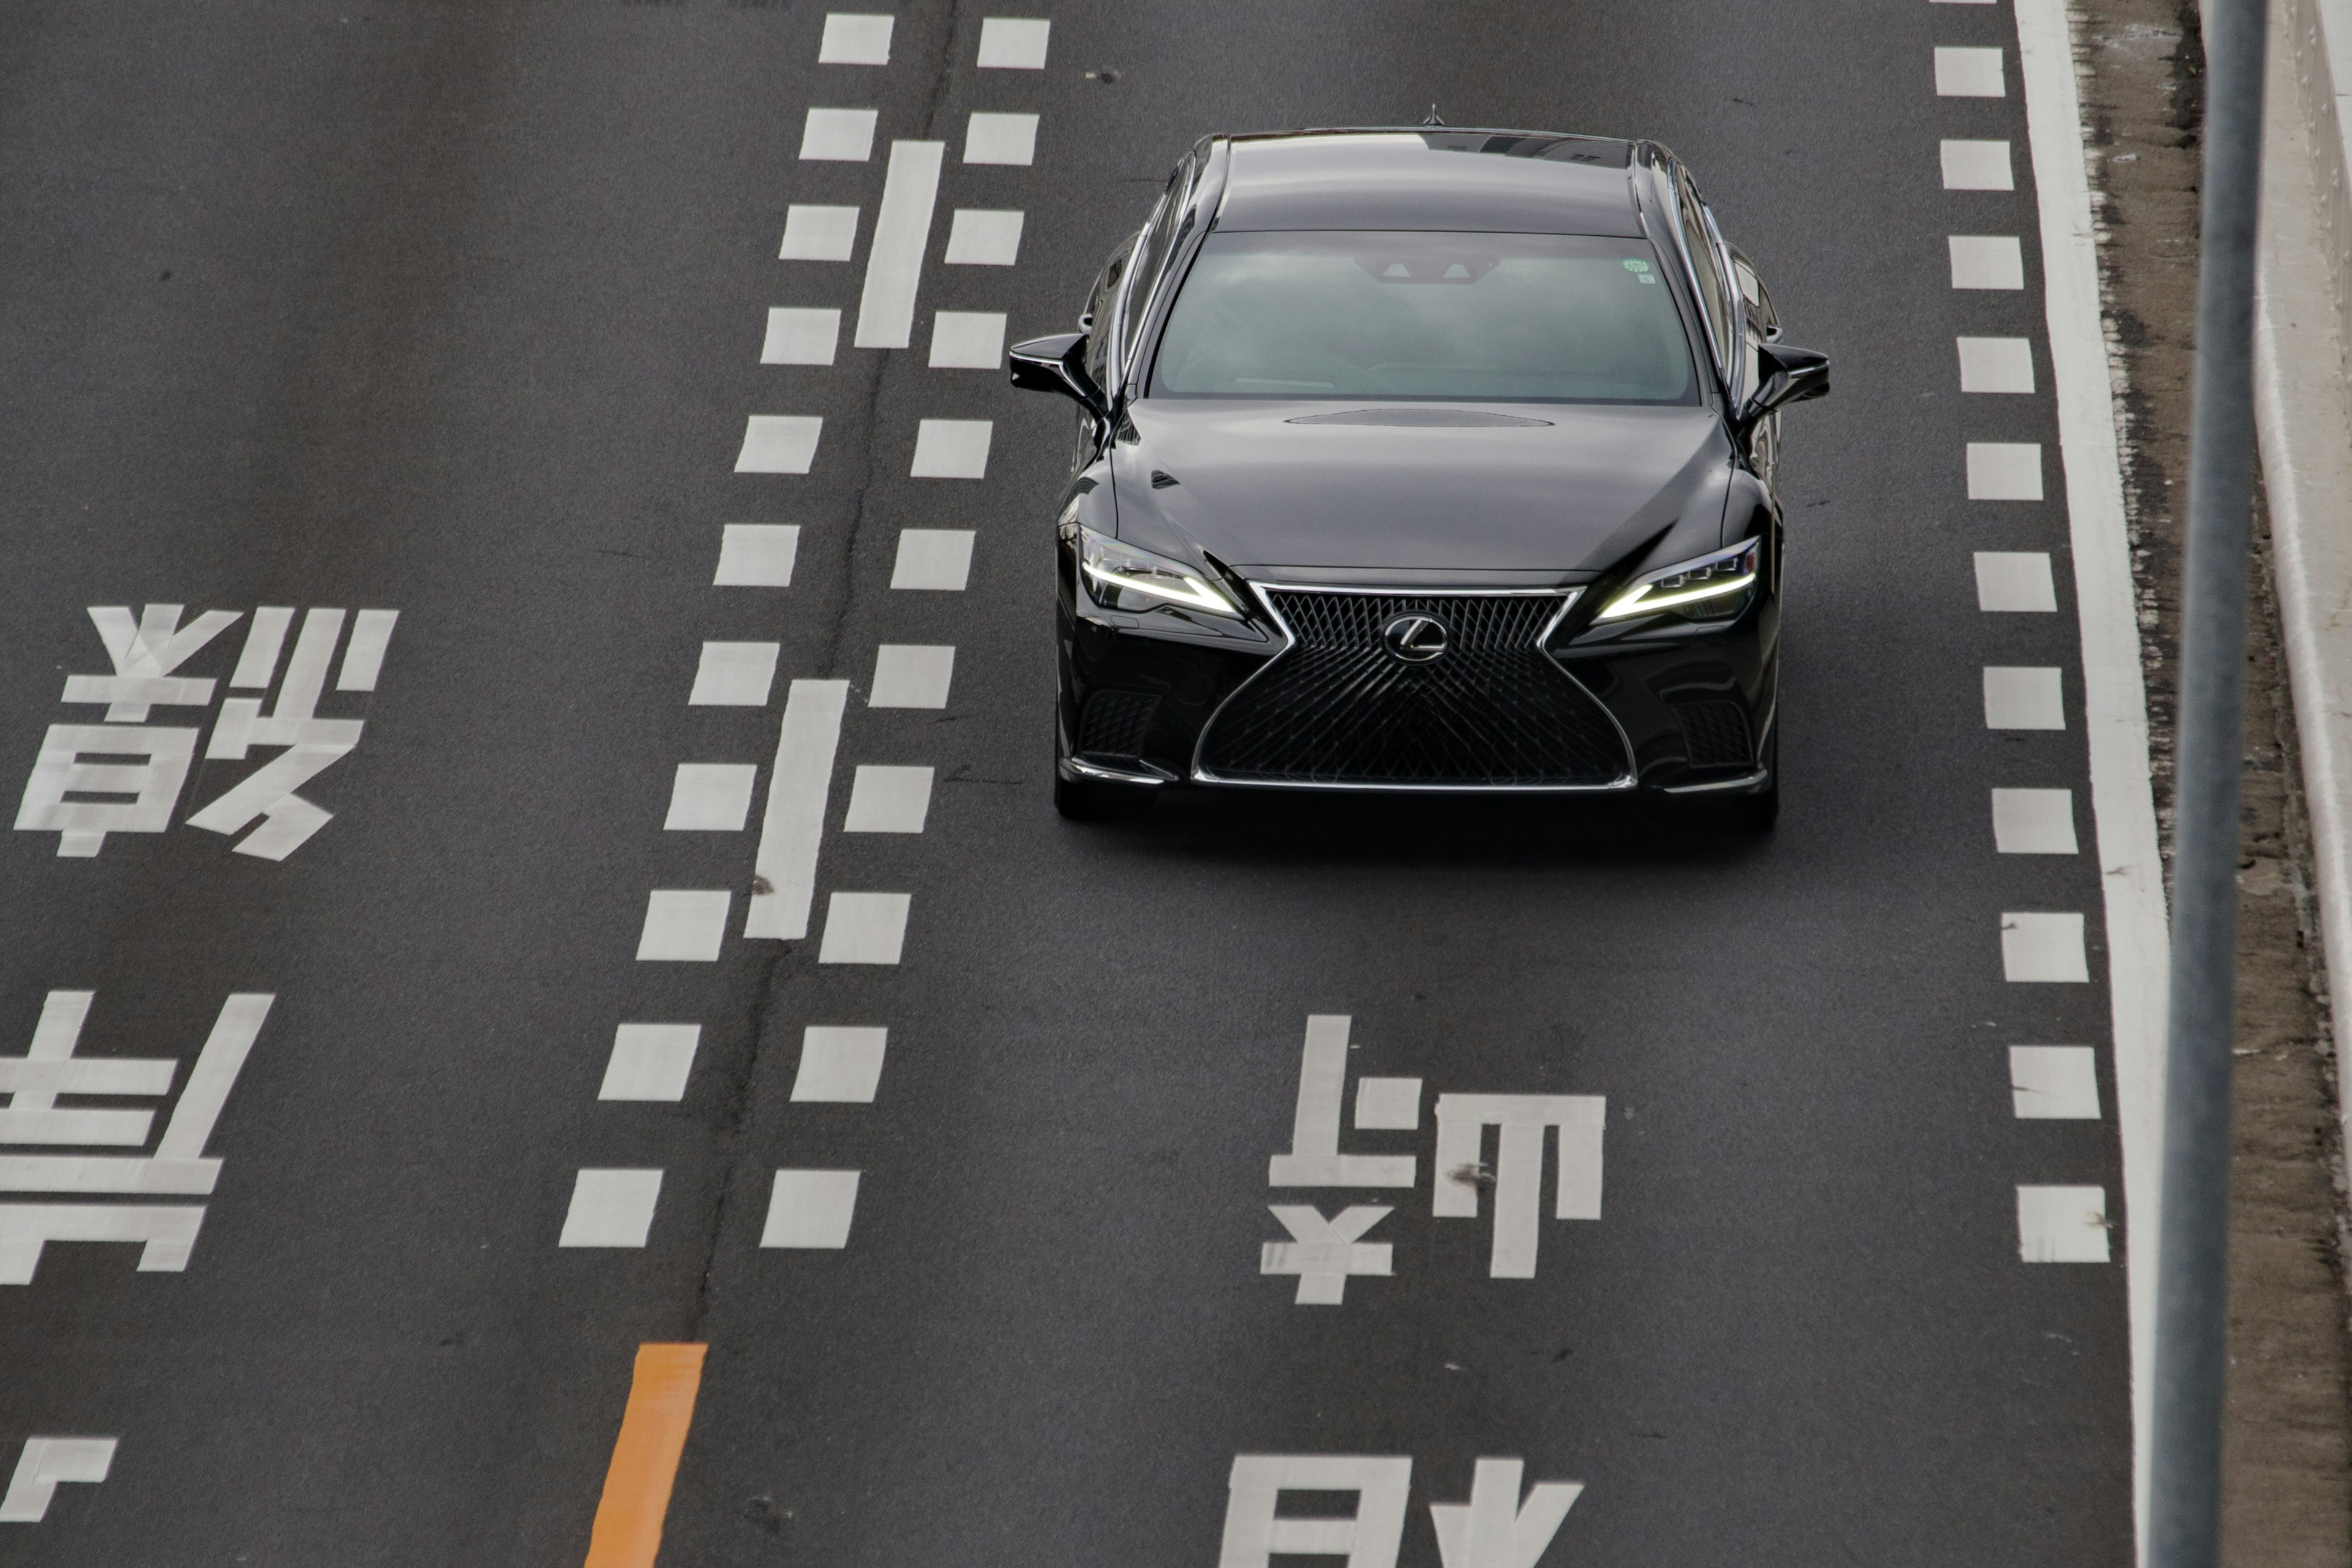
x: 644, y: 1457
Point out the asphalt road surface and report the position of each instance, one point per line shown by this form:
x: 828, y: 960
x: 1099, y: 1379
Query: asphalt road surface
x: 458, y: 312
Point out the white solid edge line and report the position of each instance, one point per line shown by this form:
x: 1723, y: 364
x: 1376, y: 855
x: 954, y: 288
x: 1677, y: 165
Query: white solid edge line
x: 2114, y: 698
x: 2307, y: 455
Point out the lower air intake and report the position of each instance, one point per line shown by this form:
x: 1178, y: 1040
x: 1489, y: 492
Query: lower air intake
x: 1338, y: 707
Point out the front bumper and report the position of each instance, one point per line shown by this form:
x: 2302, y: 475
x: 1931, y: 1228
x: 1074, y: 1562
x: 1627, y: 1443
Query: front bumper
x: 1520, y: 707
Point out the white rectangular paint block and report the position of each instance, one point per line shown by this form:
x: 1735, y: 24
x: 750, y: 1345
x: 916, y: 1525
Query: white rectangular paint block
x: 1001, y: 138
x: 967, y: 340
x: 779, y: 443
x: 1013, y: 43
x: 2043, y: 949
x: 933, y: 558
x: 2015, y: 582
x: 2033, y: 822
x: 811, y: 1209
x: 683, y: 925
x: 818, y: 234
x: 734, y: 675
x: 911, y: 675
x: 2053, y: 1083
x: 1996, y: 364
x: 2029, y: 697
x: 1986, y: 262
x: 1387, y: 1104
x: 838, y: 136
x: 902, y: 228
x: 799, y: 781
x: 757, y: 555
x: 610, y: 1208
x: 984, y: 236
x: 45, y: 1462
x: 1977, y: 166
x: 853, y: 39
x: 951, y: 448
x: 363, y: 655
x: 710, y: 797
x: 797, y: 336
x: 2004, y: 470
x: 864, y: 927
x: 650, y: 1061
x: 888, y: 800
x: 1969, y: 73
x: 2062, y: 1225
x: 840, y: 1065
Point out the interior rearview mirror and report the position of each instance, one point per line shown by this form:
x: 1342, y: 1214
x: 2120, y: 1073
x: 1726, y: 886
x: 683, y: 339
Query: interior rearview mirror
x: 1785, y: 375
x: 1058, y: 363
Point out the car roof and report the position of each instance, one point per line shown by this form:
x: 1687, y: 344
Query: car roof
x: 1495, y: 182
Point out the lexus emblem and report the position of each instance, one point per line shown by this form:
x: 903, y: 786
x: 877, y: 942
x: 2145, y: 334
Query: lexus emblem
x: 1416, y: 640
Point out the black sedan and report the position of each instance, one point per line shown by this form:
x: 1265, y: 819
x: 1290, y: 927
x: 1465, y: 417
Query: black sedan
x: 1423, y: 459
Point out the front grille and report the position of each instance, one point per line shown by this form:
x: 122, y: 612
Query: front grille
x: 1715, y: 734
x: 1336, y: 708
x: 1115, y: 723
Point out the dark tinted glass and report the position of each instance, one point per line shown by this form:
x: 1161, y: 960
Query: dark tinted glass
x: 1471, y: 317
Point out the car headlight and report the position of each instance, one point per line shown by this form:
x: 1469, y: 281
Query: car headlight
x: 1121, y: 577
x: 1712, y: 588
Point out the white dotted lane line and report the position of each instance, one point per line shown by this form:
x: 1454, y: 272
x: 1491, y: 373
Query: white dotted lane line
x: 1013, y: 43
x: 779, y: 443
x: 984, y: 236
x: 2054, y: 1224
x: 684, y: 925
x: 734, y: 675
x: 757, y: 555
x: 937, y: 558
x: 1977, y: 166
x: 884, y: 799
x: 2011, y: 582
x: 902, y: 229
x: 710, y: 797
x: 650, y: 1061
x: 840, y: 1065
x: 853, y: 39
x: 838, y: 136
x: 818, y: 234
x: 798, y: 336
x: 792, y: 830
x: 952, y: 448
x: 610, y: 1208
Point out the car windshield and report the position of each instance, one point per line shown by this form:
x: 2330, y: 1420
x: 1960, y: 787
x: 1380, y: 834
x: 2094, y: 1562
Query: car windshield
x: 1470, y: 317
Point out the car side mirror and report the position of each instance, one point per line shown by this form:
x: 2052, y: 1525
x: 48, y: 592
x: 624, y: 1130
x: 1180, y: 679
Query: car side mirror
x: 1058, y: 363
x: 1788, y: 374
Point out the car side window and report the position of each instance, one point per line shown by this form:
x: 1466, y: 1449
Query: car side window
x: 1151, y: 255
x: 1097, y: 326
x: 1715, y: 301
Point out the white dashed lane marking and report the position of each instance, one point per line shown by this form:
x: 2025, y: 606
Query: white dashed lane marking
x: 2024, y: 697
x: 2054, y: 1083
x: 1013, y: 43
x: 984, y: 236
x: 1986, y: 261
x: 818, y: 234
x: 779, y: 443
x: 1969, y: 73
x: 610, y: 1208
x: 838, y: 136
x: 952, y: 449
x: 798, y: 336
x: 363, y: 655
x: 854, y: 40
x: 967, y: 340
x: 902, y: 227
x: 2043, y: 949
x: 911, y: 675
x: 2033, y: 822
x: 793, y: 825
x: 1977, y: 166
x: 710, y: 797
x: 43, y: 1463
x: 684, y: 925
x: 757, y: 555
x: 650, y: 1061
x: 1986, y: 365
x: 2062, y: 1225
x: 1001, y: 138
x: 888, y: 800
x: 840, y: 1065
x: 2004, y: 470
x: 811, y: 1209
x: 933, y: 558
x: 2015, y: 582
x: 734, y: 675
x: 864, y: 927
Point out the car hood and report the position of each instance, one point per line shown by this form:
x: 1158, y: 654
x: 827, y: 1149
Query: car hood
x: 1563, y: 491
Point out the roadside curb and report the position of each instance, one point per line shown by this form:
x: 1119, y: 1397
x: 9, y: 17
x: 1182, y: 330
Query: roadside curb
x: 2304, y: 424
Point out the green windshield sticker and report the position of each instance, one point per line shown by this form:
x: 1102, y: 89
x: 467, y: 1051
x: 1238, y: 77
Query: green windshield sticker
x: 1634, y: 266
